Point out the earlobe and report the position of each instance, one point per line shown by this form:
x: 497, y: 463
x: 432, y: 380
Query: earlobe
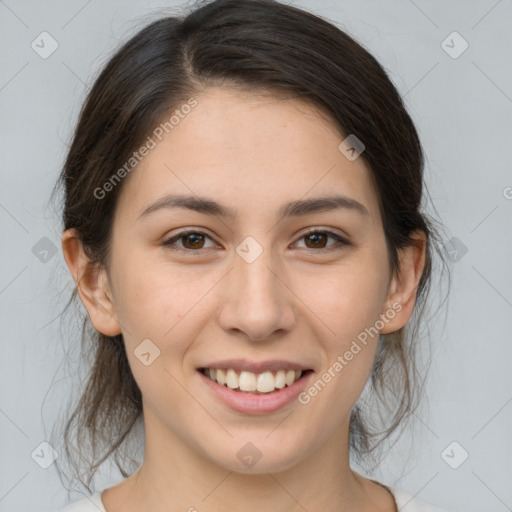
x: 403, y: 286
x: 92, y: 284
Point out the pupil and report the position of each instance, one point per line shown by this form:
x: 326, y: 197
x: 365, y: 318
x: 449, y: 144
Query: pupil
x: 195, y: 238
x: 314, y: 237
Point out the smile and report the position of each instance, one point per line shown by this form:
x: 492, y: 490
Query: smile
x: 254, y: 393
x: 254, y: 383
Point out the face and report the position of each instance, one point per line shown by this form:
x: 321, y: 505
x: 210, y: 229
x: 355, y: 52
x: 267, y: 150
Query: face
x: 256, y: 287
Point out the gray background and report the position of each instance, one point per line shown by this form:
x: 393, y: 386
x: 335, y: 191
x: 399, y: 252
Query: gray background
x: 462, y: 107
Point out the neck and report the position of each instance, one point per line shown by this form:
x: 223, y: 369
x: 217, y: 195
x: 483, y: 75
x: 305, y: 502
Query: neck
x: 174, y: 476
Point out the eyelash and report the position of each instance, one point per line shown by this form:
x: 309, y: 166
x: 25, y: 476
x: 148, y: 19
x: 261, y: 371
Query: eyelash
x: 341, y: 241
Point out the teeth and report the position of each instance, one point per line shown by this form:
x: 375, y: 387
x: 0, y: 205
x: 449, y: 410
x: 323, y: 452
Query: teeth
x: 231, y: 379
x: 265, y: 382
x: 247, y: 381
x: 280, y: 380
x: 220, y: 377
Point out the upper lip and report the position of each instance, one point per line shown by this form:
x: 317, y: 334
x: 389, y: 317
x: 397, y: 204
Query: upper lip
x: 256, y: 367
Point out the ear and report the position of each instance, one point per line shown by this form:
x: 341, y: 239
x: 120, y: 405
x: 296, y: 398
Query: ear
x: 92, y: 284
x: 403, y: 285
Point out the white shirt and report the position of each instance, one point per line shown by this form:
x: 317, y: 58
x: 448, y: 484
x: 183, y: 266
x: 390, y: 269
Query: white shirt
x: 404, y: 502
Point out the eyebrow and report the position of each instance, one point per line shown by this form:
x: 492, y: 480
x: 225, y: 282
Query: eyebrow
x: 298, y: 208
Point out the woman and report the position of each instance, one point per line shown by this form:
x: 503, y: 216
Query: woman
x: 242, y: 221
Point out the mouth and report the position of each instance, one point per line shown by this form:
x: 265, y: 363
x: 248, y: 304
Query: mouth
x: 247, y: 382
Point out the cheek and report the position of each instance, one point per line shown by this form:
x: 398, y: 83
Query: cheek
x: 351, y: 297
x: 148, y: 300
x: 162, y: 304
x: 155, y: 312
x: 350, y: 303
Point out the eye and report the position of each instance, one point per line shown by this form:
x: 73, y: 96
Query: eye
x: 192, y: 241
x: 318, y: 239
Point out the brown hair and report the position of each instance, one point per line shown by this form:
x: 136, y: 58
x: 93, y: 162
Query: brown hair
x: 259, y: 45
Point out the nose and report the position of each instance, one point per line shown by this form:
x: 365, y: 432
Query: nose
x: 256, y: 300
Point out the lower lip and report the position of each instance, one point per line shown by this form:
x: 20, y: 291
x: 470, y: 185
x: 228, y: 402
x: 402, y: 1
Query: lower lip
x: 256, y: 404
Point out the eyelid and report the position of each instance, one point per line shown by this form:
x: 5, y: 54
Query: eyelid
x: 329, y: 231
x: 340, y: 239
x: 188, y: 231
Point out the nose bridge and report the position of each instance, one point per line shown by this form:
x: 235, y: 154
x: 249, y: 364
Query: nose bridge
x: 256, y: 283
x: 256, y: 301
x: 254, y: 271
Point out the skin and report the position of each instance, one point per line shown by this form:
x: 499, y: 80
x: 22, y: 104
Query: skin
x: 296, y: 301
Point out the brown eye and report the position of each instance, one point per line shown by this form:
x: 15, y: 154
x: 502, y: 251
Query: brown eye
x: 194, y: 241
x: 190, y: 241
x: 317, y: 240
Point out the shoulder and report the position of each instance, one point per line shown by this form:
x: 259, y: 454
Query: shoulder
x: 405, y: 503
x: 408, y: 503
x: 90, y: 504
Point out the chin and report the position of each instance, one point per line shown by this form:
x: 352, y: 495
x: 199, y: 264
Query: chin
x: 252, y: 458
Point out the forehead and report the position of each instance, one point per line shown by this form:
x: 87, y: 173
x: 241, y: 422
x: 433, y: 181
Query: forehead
x: 234, y: 145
